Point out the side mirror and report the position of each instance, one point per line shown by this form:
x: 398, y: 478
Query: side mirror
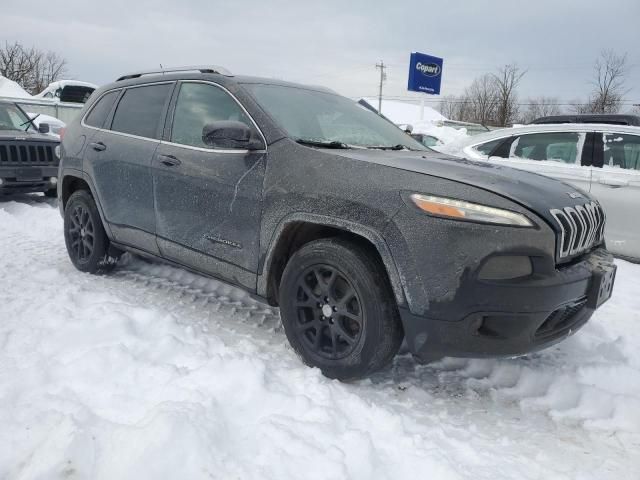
x: 229, y: 134
x: 44, y: 128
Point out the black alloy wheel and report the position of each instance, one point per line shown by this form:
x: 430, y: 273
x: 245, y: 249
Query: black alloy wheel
x: 87, y: 243
x: 338, y: 309
x: 81, y: 233
x: 329, y: 312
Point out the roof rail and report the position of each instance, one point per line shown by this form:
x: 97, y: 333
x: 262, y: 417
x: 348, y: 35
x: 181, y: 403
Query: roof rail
x: 194, y: 68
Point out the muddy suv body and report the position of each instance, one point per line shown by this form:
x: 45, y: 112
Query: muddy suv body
x: 361, y: 235
x: 28, y: 159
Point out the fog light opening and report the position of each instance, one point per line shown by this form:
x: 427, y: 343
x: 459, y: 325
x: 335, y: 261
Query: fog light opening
x: 53, y: 180
x: 506, y: 267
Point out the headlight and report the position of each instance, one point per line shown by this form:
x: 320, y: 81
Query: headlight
x: 473, y: 212
x: 56, y: 151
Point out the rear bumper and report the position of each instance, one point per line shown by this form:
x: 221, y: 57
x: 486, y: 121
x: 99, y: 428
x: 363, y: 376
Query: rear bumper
x: 513, y: 318
x: 26, y: 179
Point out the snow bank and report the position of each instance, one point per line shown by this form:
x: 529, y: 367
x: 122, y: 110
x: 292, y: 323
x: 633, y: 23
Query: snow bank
x: 9, y: 88
x: 447, y: 135
x: 154, y: 372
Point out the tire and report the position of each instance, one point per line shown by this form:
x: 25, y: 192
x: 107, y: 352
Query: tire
x: 51, y: 193
x: 84, y: 235
x: 338, y: 309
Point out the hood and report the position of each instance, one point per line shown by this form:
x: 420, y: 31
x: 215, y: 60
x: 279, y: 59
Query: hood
x: 534, y: 192
x: 29, y: 136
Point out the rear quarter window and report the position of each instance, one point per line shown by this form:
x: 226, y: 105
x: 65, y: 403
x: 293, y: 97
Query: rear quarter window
x: 140, y: 109
x: 101, y: 109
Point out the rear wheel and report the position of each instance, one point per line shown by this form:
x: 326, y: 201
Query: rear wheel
x: 84, y: 235
x: 338, y: 310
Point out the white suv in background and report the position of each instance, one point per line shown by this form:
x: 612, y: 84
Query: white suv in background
x: 601, y: 159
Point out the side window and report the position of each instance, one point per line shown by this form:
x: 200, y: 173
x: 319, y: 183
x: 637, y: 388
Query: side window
x: 556, y: 146
x: 488, y: 147
x: 199, y: 104
x: 621, y: 150
x: 139, y: 110
x: 101, y: 109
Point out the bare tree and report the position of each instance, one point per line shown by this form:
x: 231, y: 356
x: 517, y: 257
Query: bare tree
x: 506, y: 83
x: 540, y: 107
x: 449, y: 107
x: 33, y: 69
x: 481, y: 98
x: 609, y: 90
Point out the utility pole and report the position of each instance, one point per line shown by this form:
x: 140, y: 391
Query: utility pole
x: 383, y: 77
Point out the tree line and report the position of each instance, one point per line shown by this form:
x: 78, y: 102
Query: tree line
x: 32, y: 68
x: 492, y: 99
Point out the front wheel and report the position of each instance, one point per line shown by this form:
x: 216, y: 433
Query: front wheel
x: 84, y: 235
x: 338, y: 310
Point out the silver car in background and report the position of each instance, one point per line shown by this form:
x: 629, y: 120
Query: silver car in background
x: 598, y: 158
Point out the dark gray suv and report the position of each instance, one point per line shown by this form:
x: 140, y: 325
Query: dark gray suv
x: 305, y: 199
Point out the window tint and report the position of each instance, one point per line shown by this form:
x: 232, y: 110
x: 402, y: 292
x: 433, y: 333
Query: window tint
x: 139, y: 110
x: 560, y: 147
x: 488, y: 147
x: 100, y: 110
x: 199, y: 104
x: 621, y: 150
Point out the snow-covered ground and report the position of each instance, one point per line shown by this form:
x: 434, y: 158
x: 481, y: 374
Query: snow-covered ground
x: 154, y: 372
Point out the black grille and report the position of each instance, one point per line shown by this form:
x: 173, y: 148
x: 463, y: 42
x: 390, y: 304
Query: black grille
x: 561, y: 319
x: 581, y: 227
x: 24, y: 153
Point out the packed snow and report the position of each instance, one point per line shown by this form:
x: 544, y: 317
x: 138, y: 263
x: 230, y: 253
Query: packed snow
x: 154, y: 372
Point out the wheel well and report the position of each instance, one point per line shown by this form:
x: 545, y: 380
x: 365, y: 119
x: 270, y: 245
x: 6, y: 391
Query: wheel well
x: 71, y: 184
x: 297, y: 234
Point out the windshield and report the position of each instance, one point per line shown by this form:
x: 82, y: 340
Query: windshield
x: 13, y: 118
x: 315, y: 117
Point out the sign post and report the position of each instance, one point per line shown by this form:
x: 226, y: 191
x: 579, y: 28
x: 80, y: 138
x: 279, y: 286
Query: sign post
x: 425, y: 75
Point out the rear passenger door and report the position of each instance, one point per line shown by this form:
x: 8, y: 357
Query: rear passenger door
x: 554, y: 154
x: 208, y: 201
x: 119, y: 158
x: 616, y: 185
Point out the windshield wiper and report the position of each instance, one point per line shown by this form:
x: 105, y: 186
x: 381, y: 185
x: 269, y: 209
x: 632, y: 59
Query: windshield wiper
x: 30, y: 122
x: 322, y: 143
x: 390, y: 147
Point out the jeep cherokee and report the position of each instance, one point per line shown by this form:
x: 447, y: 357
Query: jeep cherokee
x: 312, y: 203
x: 28, y: 158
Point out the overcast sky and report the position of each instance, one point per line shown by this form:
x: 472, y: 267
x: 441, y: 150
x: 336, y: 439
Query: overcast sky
x: 337, y: 43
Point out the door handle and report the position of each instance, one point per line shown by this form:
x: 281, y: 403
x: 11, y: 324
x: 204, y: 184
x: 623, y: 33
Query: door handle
x: 98, y: 146
x: 169, y: 160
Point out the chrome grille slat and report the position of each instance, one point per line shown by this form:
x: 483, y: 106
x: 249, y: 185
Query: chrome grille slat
x: 13, y: 152
x: 581, y: 228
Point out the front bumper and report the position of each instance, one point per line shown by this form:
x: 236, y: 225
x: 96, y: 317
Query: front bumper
x: 27, y: 179
x: 510, y: 318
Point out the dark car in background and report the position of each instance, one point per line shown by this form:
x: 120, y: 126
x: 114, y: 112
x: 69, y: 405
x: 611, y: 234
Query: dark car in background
x: 361, y: 235
x: 28, y: 158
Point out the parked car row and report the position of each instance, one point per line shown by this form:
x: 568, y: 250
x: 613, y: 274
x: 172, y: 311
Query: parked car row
x: 361, y: 235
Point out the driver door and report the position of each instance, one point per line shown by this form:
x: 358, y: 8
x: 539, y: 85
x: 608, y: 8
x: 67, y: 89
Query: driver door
x: 207, y: 200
